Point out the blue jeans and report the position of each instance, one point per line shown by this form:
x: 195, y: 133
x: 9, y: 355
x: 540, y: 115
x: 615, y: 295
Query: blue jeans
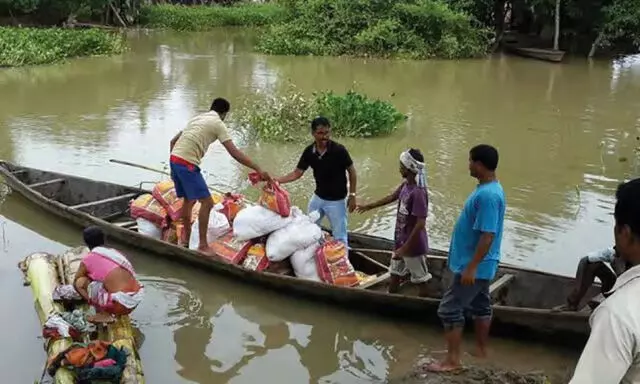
x: 336, y: 212
x: 458, y: 298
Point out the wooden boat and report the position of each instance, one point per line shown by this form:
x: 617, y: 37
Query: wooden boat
x: 43, y: 272
x: 551, y: 55
x: 522, y: 298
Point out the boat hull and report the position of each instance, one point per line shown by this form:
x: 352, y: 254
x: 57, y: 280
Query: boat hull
x: 523, y: 312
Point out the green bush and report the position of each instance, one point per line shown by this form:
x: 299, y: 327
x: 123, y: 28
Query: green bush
x: 405, y: 28
x: 201, y: 18
x: 30, y: 46
x: 287, y: 116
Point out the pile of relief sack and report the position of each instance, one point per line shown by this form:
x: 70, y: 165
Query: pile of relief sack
x: 269, y: 236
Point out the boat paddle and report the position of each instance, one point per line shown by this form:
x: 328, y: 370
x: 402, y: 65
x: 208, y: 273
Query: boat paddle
x: 163, y: 172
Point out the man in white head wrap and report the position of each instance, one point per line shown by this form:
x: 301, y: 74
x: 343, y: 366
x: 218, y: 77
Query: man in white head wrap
x: 411, y: 240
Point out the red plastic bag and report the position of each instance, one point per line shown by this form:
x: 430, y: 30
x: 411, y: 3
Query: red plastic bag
x: 273, y: 196
x: 232, y: 203
x: 334, y: 267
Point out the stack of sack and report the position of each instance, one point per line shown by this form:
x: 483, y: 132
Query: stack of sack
x: 159, y: 214
x: 272, y: 233
x: 270, y: 236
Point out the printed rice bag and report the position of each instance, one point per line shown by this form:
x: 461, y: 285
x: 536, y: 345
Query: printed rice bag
x: 148, y: 208
x: 173, y: 233
x: 334, y: 267
x: 256, y: 259
x: 231, y: 249
x: 165, y: 193
x: 273, y: 196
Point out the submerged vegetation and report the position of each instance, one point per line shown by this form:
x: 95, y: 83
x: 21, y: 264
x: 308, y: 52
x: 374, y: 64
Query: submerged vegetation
x: 286, y: 116
x: 406, y: 28
x: 200, y: 18
x: 29, y: 46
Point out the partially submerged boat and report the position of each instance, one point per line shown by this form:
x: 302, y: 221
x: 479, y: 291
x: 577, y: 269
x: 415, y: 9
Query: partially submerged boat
x: 44, y: 272
x: 522, y: 298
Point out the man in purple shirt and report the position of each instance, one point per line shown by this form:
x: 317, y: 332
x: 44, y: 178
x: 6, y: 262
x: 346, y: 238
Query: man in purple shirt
x: 411, y: 241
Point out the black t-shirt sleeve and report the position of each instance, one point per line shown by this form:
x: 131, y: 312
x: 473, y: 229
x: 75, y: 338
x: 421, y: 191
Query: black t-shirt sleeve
x: 346, y: 158
x: 303, y: 163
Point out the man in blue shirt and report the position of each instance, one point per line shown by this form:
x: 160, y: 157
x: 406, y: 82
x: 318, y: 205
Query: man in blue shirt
x: 474, y: 255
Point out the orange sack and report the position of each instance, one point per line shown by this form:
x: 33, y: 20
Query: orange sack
x: 232, y: 250
x: 273, y: 196
x: 256, y: 259
x: 148, y: 208
x: 334, y: 267
x: 165, y: 193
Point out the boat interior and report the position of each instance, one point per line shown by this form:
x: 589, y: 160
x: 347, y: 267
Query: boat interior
x: 515, y: 287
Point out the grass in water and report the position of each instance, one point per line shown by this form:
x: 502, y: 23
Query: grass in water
x: 286, y: 116
x: 32, y: 46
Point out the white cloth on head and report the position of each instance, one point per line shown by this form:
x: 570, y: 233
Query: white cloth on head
x: 416, y: 167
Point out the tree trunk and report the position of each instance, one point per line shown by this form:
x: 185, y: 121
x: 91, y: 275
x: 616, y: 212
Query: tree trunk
x: 556, y: 35
x: 595, y: 44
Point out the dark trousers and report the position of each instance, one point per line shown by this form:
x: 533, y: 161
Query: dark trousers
x: 585, y: 276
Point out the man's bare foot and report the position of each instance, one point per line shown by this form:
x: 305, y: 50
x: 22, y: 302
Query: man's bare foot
x: 442, y: 366
x: 101, y: 317
x: 205, y: 249
x: 480, y: 353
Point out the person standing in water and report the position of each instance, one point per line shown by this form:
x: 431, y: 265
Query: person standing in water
x: 474, y: 256
x: 331, y: 163
x: 411, y: 244
x: 612, y: 355
x: 106, y: 279
x: 187, y: 149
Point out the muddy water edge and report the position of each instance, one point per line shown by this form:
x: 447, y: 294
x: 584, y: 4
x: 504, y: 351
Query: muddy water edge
x: 561, y: 131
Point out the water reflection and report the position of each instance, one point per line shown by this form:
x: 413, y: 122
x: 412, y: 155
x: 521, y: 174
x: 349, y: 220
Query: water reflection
x: 560, y: 130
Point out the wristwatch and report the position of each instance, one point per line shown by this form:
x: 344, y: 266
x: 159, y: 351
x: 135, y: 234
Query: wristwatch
x: 352, y: 194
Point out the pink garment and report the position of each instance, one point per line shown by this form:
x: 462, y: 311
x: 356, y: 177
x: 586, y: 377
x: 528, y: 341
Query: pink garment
x: 98, y: 267
x: 104, y: 363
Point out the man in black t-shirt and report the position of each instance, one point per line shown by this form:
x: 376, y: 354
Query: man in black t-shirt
x: 331, y: 163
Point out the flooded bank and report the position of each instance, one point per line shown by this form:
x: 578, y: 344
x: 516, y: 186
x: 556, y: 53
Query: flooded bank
x: 561, y: 131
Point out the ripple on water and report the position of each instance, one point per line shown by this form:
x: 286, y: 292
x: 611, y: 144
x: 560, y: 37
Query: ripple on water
x: 172, y: 304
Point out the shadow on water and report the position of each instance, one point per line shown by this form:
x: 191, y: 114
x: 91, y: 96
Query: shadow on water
x: 203, y: 328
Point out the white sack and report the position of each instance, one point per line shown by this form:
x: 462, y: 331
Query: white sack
x: 218, y: 226
x: 303, y: 262
x: 300, y: 233
x: 147, y: 228
x: 256, y: 221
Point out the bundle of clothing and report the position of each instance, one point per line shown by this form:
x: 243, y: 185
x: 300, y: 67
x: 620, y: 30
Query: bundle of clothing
x: 97, y: 360
x: 67, y: 324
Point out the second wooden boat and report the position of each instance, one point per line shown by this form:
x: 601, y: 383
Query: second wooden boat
x: 522, y: 298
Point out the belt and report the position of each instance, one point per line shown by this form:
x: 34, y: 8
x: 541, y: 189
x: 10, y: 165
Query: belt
x: 180, y: 161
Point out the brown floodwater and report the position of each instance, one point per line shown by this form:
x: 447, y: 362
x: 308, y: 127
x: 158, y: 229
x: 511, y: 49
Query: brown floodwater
x: 562, y: 131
